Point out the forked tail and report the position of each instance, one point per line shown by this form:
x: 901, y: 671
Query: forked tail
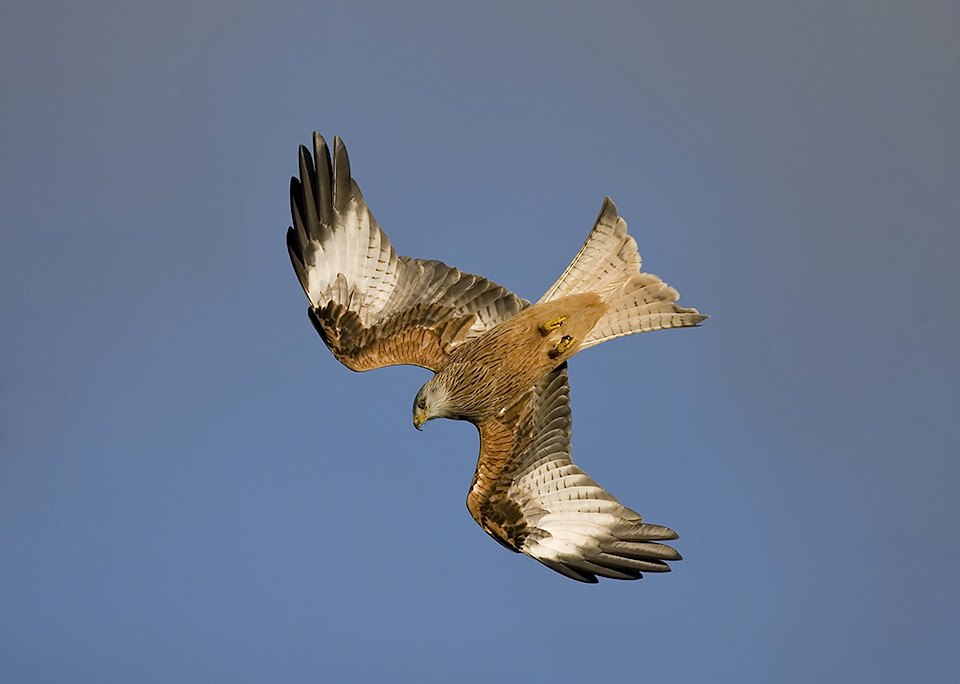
x: 609, y: 264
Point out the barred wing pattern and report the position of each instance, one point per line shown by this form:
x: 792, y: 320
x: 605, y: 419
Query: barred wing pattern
x: 371, y: 307
x: 609, y: 264
x: 528, y: 495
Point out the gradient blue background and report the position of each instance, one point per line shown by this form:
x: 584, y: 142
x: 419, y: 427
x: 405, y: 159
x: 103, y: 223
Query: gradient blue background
x: 192, y: 489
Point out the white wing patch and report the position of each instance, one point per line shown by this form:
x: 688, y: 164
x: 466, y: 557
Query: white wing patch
x: 356, y: 247
x: 565, y: 519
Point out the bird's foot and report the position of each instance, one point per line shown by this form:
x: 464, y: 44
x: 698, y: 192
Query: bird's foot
x: 548, y: 327
x: 561, y: 347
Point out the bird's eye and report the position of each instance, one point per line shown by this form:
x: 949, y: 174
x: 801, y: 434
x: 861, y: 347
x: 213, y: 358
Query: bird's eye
x: 421, y: 403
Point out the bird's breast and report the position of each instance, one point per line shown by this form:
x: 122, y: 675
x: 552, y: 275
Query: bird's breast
x: 491, y: 372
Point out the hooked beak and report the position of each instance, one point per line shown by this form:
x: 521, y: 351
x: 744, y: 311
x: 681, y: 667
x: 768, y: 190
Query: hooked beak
x: 418, y: 419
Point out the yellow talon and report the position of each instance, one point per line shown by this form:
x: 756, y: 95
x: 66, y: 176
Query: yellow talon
x: 565, y: 343
x: 548, y: 327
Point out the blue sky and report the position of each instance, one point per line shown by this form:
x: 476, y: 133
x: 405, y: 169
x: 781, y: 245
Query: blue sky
x: 192, y: 489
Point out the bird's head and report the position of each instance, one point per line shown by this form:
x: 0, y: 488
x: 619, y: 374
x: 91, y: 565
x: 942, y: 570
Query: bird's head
x: 429, y: 403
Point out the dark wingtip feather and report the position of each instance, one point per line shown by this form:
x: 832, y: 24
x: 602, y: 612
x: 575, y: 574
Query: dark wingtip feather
x: 296, y: 258
x: 572, y: 573
x: 608, y: 209
x: 305, y: 163
x: 324, y: 198
x: 318, y: 142
x: 308, y: 179
x: 295, y: 246
x: 297, y: 212
x: 304, y: 153
x: 341, y: 173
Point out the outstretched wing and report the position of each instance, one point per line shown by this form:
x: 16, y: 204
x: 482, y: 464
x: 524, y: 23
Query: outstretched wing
x: 372, y: 307
x: 528, y: 495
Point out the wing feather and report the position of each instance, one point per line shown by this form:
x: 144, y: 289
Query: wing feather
x: 528, y: 495
x: 372, y: 307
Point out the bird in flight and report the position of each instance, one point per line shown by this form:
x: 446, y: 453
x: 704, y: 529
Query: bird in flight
x: 498, y: 362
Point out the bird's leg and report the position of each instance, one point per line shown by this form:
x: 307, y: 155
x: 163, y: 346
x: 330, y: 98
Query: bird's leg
x: 562, y: 346
x: 548, y: 327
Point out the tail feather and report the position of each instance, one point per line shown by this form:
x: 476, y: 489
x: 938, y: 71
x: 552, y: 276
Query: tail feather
x: 609, y: 265
x: 607, y: 258
x: 641, y: 304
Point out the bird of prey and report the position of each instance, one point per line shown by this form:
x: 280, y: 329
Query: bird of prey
x: 498, y: 362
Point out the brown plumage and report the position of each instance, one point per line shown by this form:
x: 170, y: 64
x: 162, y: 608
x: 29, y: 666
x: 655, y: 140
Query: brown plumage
x: 489, y: 373
x: 499, y: 362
